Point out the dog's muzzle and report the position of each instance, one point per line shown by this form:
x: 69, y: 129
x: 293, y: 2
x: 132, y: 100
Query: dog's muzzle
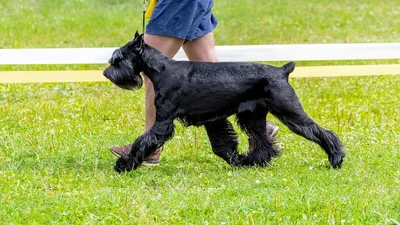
x: 123, y: 78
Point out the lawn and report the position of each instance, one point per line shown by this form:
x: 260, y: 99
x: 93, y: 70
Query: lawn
x: 55, y: 167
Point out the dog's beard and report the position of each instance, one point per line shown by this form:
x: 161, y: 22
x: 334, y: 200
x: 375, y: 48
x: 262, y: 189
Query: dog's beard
x: 124, y: 76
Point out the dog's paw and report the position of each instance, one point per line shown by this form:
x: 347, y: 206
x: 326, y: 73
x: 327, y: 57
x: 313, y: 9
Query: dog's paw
x: 123, y: 164
x: 337, y: 160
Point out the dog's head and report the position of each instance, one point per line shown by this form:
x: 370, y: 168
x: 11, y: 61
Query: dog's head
x: 126, y: 64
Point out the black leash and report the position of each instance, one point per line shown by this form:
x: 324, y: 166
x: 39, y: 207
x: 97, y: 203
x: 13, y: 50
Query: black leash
x: 145, y: 5
x: 144, y: 21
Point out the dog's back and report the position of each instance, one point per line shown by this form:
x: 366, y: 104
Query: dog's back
x: 207, y: 89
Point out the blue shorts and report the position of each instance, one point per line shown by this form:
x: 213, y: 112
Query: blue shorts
x: 184, y: 19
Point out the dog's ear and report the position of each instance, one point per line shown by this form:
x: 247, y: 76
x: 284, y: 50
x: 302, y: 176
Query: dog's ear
x: 138, y: 37
x: 138, y: 42
x: 288, y: 68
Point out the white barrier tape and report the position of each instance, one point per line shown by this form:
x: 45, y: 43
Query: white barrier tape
x: 295, y: 52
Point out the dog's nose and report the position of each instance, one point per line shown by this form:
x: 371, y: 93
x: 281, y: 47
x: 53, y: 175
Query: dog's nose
x: 105, y: 72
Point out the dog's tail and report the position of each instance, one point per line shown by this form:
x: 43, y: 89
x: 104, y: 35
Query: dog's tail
x: 288, y: 68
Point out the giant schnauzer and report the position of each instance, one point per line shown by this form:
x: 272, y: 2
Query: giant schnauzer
x: 205, y: 93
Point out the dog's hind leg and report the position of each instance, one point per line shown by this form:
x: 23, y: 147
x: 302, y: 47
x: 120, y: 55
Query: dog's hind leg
x: 224, y: 141
x: 255, y: 127
x: 145, y: 145
x: 285, y: 105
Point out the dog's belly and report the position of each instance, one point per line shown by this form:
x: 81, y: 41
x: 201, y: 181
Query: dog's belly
x: 201, y: 111
x: 201, y: 118
x: 211, y: 102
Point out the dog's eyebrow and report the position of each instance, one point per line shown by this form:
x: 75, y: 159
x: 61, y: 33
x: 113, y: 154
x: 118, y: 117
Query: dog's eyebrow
x: 117, y: 55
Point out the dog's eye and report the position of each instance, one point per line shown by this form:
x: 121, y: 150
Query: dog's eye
x: 114, y: 61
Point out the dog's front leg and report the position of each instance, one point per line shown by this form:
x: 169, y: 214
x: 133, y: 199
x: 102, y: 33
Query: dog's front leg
x: 145, y: 145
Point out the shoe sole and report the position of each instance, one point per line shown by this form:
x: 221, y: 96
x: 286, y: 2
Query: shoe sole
x: 114, y: 153
x: 151, y: 163
x: 275, y: 131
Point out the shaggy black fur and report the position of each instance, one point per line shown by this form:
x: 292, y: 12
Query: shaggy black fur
x: 204, y: 93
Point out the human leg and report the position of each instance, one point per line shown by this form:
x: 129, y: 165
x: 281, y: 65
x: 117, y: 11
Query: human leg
x: 169, y: 46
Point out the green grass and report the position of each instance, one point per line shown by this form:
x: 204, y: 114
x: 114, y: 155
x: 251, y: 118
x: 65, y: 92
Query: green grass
x: 55, y: 167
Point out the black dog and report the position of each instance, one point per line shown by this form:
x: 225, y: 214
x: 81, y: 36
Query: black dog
x: 203, y: 93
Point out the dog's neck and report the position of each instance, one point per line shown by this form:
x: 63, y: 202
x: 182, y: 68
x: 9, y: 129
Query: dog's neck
x: 153, y: 61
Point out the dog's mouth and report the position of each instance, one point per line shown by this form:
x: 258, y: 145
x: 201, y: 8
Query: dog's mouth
x: 124, y: 79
